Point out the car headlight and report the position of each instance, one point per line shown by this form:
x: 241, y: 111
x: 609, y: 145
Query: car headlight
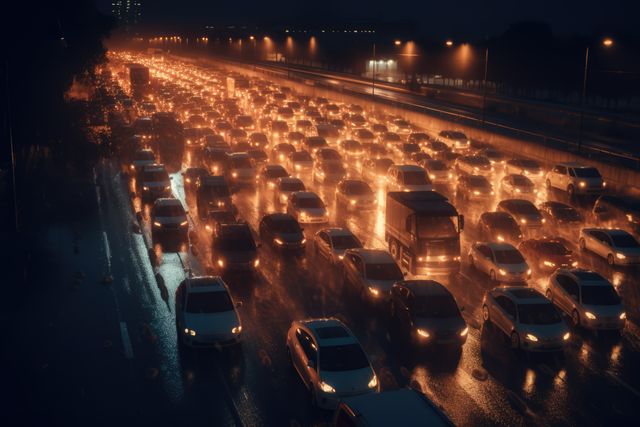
x: 503, y: 272
x: 476, y: 192
x: 303, y: 241
x: 221, y: 262
x: 256, y: 262
x: 352, y: 202
x: 341, y: 257
x: 518, y: 190
x: 620, y: 255
x: 326, y: 387
x: 157, y: 224
x: 566, y: 336
x: 531, y: 337
x: 500, y: 238
x: 590, y: 315
x: 583, y: 184
x: 375, y: 292
x: 529, y: 272
x: 574, y: 264
x: 374, y: 382
x: 184, y: 223
x: 191, y: 332
x: 422, y: 333
x: 145, y: 188
x: 234, y: 174
x: 432, y: 176
x: 623, y: 315
x: 523, y: 220
x: 278, y: 241
x: 629, y: 217
x: 220, y: 204
x: 464, y: 332
x: 133, y: 167
x: 549, y: 263
x: 543, y: 220
x: 237, y: 329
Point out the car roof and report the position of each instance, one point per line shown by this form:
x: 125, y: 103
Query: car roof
x: 408, y: 168
x: 495, y: 246
x: 167, y: 201
x: 290, y: 180
x: 523, y: 295
x: 609, y: 231
x: 205, y: 284
x: 306, y: 195
x: 372, y: 256
x: 337, y: 231
x: 496, y: 215
x: 425, y: 287
x: 330, y: 331
x: 586, y: 277
x: 575, y: 165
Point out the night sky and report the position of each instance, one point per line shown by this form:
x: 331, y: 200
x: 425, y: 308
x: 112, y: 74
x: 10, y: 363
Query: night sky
x: 473, y: 17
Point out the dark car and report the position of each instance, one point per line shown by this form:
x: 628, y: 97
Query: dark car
x: 560, y: 215
x: 547, y: 255
x: 282, y: 231
x: 169, y: 222
x: 191, y: 176
x: 217, y: 160
x: 212, y: 194
x: 280, y: 152
x: 474, y: 187
x: 258, y: 156
x: 233, y: 248
x: 499, y: 227
x: 270, y: 174
x: 524, y: 212
x: 258, y: 140
x: 426, y: 313
x: 618, y: 212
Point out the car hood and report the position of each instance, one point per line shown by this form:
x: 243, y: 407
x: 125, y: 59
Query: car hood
x: 514, y: 268
x: 383, y: 285
x: 313, y: 211
x: 553, y: 331
x: 239, y: 256
x: 605, y: 310
x: 348, y: 381
x: 440, y: 325
x: 290, y: 237
x: 212, y: 323
x: 171, y: 219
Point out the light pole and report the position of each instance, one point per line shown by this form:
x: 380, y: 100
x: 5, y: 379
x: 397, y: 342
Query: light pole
x: 373, y: 72
x: 484, y: 83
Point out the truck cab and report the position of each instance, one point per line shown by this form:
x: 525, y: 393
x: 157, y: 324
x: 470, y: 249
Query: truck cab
x: 423, y: 232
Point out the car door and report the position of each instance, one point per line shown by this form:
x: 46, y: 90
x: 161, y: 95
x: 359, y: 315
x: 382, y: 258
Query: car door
x: 485, y: 258
x: 503, y: 309
x: 324, y: 244
x: 306, y: 356
x: 601, y: 244
x: 556, y: 176
x: 562, y: 297
x: 405, y: 303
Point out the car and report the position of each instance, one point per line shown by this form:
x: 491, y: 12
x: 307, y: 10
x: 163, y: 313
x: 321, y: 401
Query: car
x: 560, y: 215
x: 379, y: 128
x: 589, y: 299
x: 408, y: 178
x: 389, y: 139
x: 242, y: 170
x: 285, y: 187
x: 474, y: 188
x: 530, y: 168
x: 330, y: 361
x: 278, y: 129
x: 474, y: 165
x: 530, y: 320
x: 307, y: 207
x: 370, y: 273
x: 206, y: 314
x: 303, y: 126
x: 355, y: 194
x: 215, y: 218
x: 328, y: 155
x: 365, y: 136
x: 375, y: 151
x: 280, y: 152
x: 426, y: 313
x: 356, y: 120
x: 495, y: 157
x: 547, y: 255
x: 270, y: 174
x: 328, y: 173
x: 233, y: 248
x: 502, y: 262
x: 617, y: 246
x: 404, y: 407
x: 244, y: 122
x: 436, y: 148
x: 327, y: 132
x: 575, y: 178
x: 154, y: 182
x: 618, y: 211
x: 295, y: 139
x: 217, y: 159
x: 405, y: 150
x: 455, y: 140
x: 169, y: 221
x: 191, y: 175
x: 282, y: 231
x: 513, y: 185
x: 258, y: 156
x: 438, y: 172
x: 499, y: 227
x: 525, y: 212
x: 258, y: 140
x: 314, y: 143
x: 300, y: 162
x: 419, y: 138
x: 331, y: 243
x: 353, y: 150
x: 212, y: 194
x: 141, y: 158
x: 419, y: 157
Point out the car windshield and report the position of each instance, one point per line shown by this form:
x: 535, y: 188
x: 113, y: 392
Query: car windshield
x: 208, y: 302
x: 440, y: 306
x: 599, y: 295
x: 538, y: 314
x: 144, y: 155
x: 522, y: 181
x: 301, y: 156
x: 155, y: 176
x: 568, y: 214
x: 415, y: 178
x: 241, y: 162
x: 554, y: 248
x: 624, y: 241
x: 438, y: 227
x: 587, y: 173
x: 169, y: 210
x: 216, y: 191
x: 292, y: 186
x: 276, y: 173
x: 524, y: 208
x: 478, y: 181
x: 358, y: 188
x: 384, y: 271
x: 345, y: 242
x: 237, y: 242
x: 310, y: 202
x: 342, y: 358
x: 508, y: 256
x: 286, y: 226
x: 457, y: 135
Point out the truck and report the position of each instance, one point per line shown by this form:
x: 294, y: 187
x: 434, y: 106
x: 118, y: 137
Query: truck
x: 168, y: 139
x: 423, y: 232
x: 139, y: 80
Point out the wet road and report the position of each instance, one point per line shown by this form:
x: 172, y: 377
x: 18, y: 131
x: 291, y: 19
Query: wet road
x: 593, y: 382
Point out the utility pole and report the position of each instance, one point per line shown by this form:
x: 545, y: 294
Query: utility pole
x: 373, y: 72
x: 484, y: 83
x: 584, y: 96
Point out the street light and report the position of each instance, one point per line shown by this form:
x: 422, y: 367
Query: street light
x: 449, y: 43
x: 397, y: 42
x: 607, y: 42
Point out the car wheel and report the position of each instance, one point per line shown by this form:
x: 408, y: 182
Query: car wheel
x: 492, y: 276
x: 485, y: 313
x: 575, y: 318
x: 549, y: 295
x: 394, y: 250
x: 582, y: 244
x: 611, y: 260
x: 515, y: 341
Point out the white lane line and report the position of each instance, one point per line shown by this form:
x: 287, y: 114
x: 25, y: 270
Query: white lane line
x: 127, y: 287
x: 107, y: 249
x: 126, y: 341
x: 618, y: 380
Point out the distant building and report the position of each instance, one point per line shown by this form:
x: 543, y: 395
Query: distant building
x: 127, y: 12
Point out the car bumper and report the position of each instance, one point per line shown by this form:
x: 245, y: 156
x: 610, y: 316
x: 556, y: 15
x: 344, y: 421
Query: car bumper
x: 313, y: 219
x: 332, y: 400
x: 211, y: 341
x: 438, y: 268
x: 542, y: 345
x: 629, y: 260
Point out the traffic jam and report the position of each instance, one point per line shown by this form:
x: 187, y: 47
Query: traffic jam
x: 431, y: 242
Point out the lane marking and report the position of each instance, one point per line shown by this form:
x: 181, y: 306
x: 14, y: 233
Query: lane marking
x: 126, y: 341
x: 624, y: 384
x: 125, y: 282
x: 107, y: 249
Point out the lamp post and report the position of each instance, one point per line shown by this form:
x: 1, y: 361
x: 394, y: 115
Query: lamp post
x: 373, y: 72
x: 484, y: 83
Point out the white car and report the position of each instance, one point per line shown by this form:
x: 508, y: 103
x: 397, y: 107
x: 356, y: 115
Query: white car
x: 588, y: 298
x: 330, y: 361
x: 501, y: 261
x: 532, y: 169
x: 328, y: 173
x: 169, y: 220
x: 617, y: 246
x: 206, y: 314
x: 355, y: 194
x: 518, y: 186
x: 300, y: 163
x: 474, y: 165
x: 242, y: 170
x: 307, y: 207
x: 437, y: 171
x: 456, y: 140
x: 285, y: 187
x: 408, y: 178
x: 331, y: 243
x: 575, y: 178
x: 370, y: 273
x: 529, y: 319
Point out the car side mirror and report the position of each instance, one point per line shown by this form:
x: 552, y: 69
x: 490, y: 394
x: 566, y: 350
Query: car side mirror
x: 239, y: 304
